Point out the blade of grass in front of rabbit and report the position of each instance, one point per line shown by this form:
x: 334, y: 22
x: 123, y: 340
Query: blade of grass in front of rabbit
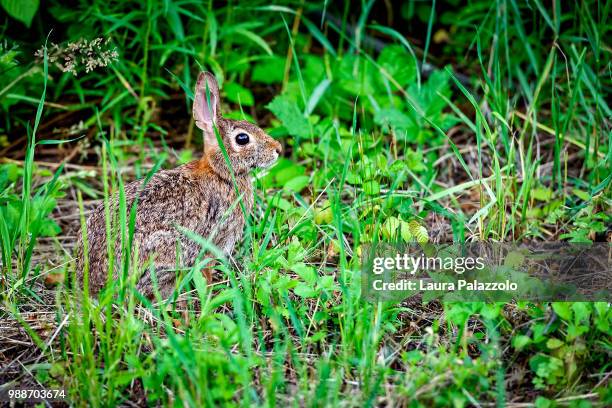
x: 225, y: 155
x: 245, y: 334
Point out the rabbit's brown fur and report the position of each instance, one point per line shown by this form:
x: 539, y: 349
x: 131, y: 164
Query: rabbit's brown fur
x: 197, y: 196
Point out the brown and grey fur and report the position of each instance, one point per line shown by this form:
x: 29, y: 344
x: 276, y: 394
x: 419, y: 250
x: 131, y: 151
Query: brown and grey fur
x: 199, y: 196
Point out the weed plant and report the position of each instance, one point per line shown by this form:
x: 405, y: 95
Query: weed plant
x: 461, y: 121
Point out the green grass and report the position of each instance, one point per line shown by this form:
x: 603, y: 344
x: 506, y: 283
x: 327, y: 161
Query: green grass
x: 500, y: 133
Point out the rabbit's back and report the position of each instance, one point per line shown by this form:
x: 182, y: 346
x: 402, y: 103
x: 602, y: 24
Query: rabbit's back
x: 190, y: 196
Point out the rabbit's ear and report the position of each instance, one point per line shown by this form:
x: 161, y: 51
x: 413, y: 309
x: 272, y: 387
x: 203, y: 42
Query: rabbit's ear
x: 206, y: 104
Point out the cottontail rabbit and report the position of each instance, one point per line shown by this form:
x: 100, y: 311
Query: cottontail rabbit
x: 199, y: 196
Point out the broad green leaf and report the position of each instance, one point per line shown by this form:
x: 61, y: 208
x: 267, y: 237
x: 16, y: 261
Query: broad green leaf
x: 582, y: 312
x: 399, y: 64
x: 269, y: 70
x: 396, y: 120
x: 238, y: 94
x: 283, y: 171
x: 391, y: 228
x: 323, y: 215
x: 415, y: 161
x: 308, y: 273
x: 371, y: 187
x: 553, y: 343
x: 519, y: 342
x: 290, y: 115
x: 49, y: 228
x: 433, y: 95
x: 563, y: 310
x: 22, y: 10
x: 297, y: 184
x: 542, y: 193
x: 574, y: 331
x: 326, y: 282
x: 419, y: 232
x: 305, y: 291
x: 405, y: 232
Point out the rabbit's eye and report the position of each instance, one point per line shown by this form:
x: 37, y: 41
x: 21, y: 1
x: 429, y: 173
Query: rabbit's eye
x: 242, y: 139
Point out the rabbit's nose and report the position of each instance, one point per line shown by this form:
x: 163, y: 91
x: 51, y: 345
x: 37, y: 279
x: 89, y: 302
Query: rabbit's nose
x: 278, y: 147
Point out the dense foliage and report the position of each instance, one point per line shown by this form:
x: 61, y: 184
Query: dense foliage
x: 443, y: 121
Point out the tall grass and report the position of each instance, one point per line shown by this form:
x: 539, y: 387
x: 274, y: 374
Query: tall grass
x: 284, y: 322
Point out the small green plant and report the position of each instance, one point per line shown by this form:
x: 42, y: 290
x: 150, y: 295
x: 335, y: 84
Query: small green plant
x: 420, y: 121
x: 564, y: 342
x: 39, y: 224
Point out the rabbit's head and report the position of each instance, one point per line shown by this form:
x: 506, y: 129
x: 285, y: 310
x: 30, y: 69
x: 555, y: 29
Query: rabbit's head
x: 248, y: 147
